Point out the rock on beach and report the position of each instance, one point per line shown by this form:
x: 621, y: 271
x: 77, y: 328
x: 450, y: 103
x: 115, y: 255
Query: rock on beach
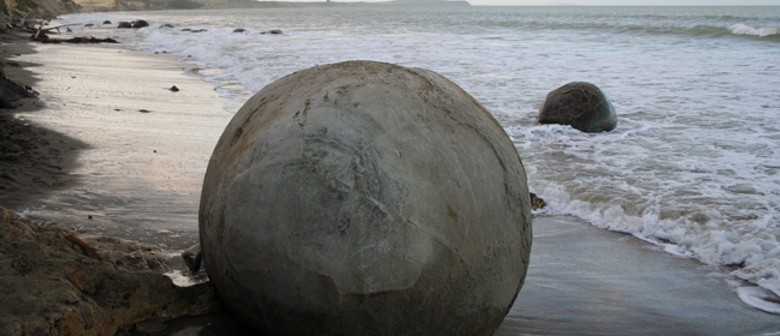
x: 581, y: 105
x: 11, y: 92
x: 364, y: 198
x: 58, y: 282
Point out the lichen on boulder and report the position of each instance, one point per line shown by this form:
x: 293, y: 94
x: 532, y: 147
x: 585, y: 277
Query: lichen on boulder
x: 364, y: 198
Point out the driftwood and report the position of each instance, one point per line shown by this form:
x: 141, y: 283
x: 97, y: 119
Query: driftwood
x: 42, y: 35
x: 49, y: 30
x: 43, y: 38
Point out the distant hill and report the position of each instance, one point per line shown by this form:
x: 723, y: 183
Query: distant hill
x: 253, y: 3
x: 459, y: 3
x: 16, y: 9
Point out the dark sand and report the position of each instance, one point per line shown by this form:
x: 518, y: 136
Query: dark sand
x: 86, y: 149
x: 34, y: 161
x: 587, y: 281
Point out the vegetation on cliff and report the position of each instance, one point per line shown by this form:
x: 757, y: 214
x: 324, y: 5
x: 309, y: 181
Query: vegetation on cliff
x: 25, y: 13
x: 21, y: 11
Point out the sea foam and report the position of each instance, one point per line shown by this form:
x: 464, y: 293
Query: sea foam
x: 743, y: 29
x: 759, y: 298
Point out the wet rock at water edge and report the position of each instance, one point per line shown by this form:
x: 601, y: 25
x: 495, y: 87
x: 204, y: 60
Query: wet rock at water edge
x: 537, y: 202
x: 140, y: 24
x: 43, y: 38
x: 581, y: 105
x: 365, y: 198
x: 193, y: 258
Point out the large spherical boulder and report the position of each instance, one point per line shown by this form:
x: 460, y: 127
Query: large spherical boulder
x: 579, y: 104
x: 365, y: 198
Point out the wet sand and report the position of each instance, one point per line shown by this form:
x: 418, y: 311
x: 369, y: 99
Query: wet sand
x: 136, y: 152
x: 587, y: 281
x: 131, y: 154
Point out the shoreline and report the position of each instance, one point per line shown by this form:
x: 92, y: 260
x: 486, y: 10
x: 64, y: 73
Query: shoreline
x: 66, y: 155
x: 128, y: 152
x: 138, y: 175
x: 36, y: 160
x: 609, y: 283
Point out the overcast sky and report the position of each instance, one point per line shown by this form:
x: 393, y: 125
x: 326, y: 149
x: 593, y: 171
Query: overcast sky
x: 632, y: 2
x: 603, y: 2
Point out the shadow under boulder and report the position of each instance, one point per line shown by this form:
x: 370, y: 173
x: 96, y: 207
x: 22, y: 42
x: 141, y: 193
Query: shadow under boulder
x: 581, y: 105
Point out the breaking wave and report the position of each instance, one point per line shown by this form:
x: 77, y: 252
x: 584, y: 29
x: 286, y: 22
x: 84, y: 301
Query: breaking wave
x: 743, y: 29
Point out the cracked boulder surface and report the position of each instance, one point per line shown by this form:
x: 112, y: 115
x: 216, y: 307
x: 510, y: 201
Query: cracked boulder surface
x: 364, y: 198
x: 581, y: 105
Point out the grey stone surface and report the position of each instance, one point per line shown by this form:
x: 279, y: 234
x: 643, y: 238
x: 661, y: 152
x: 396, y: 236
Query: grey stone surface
x: 365, y: 198
x: 581, y: 105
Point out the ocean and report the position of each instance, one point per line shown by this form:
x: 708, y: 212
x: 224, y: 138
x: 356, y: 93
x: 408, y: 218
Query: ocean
x: 693, y: 165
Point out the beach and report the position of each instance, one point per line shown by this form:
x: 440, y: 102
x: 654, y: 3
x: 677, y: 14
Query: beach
x: 115, y: 151
x: 587, y: 281
x: 120, y: 141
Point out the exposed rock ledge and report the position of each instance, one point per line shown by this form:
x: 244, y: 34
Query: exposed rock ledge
x: 56, y: 282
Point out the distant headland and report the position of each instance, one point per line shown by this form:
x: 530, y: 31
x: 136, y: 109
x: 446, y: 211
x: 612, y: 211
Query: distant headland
x: 326, y: 3
x: 42, y: 9
x: 112, y: 5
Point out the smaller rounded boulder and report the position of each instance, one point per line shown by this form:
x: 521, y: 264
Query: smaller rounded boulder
x: 140, y: 24
x: 581, y: 105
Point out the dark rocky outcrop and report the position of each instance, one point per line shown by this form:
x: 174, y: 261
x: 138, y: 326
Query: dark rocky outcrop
x: 43, y: 38
x: 537, y: 202
x: 139, y: 24
x: 10, y: 92
x: 581, y: 105
x: 364, y: 198
x: 134, y: 24
x: 58, y: 282
x: 194, y: 30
